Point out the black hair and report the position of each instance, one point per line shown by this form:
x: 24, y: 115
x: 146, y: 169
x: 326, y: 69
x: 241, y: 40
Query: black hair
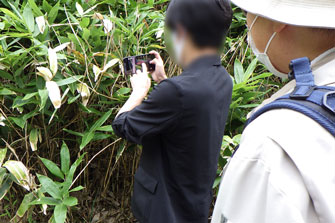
x: 207, y: 21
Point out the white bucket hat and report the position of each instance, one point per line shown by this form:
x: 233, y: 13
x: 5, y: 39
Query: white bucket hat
x: 309, y: 13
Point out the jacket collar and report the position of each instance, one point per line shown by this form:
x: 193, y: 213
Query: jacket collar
x: 208, y: 60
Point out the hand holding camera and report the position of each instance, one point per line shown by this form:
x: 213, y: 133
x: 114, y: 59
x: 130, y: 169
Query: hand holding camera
x: 159, y: 73
x: 141, y: 82
x: 153, y: 62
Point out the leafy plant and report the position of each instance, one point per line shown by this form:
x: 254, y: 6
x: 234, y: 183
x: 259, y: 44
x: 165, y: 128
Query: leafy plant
x: 59, y: 191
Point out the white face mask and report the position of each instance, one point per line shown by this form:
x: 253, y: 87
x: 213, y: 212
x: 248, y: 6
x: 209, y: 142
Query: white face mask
x: 178, y: 47
x: 263, y: 57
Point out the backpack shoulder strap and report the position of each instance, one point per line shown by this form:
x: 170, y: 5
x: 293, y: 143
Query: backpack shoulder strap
x: 316, y: 102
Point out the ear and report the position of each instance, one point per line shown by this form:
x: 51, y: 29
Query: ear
x: 278, y: 27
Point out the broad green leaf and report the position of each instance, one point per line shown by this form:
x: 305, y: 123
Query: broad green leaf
x: 6, y: 75
x: 2, y: 156
x: 73, y: 99
x: 3, y: 174
x: 29, y: 18
x: 65, y: 158
x: 30, y: 95
x: 35, y: 8
x: 33, y: 139
x: 238, y: 71
x: 151, y: 2
x: 77, y: 189
x: 237, y: 139
x: 84, y: 22
x: 222, y: 162
x: 106, y: 128
x: 228, y: 139
x: 18, y: 35
x: 216, y: 182
x: 123, y: 91
x: 53, y: 13
x: 88, y: 136
x: 101, y: 121
x: 86, y: 33
x: 52, y: 167
x: 69, y: 80
x: 19, y: 102
x: 60, y: 213
x: 25, y: 204
x: 4, y: 187
x: 101, y: 136
x: 46, y: 6
x: 49, y: 186
x: 19, y: 121
x: 5, y: 91
x: 261, y: 76
x: 73, y: 132
x: 46, y: 200
x: 250, y: 70
x: 228, y: 152
x: 15, y: 10
x: 69, y: 176
x: 12, y: 15
x: 44, y: 97
x: 249, y: 106
x: 70, y: 201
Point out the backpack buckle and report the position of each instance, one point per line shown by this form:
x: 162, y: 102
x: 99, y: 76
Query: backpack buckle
x: 302, y: 92
x: 329, y: 101
x: 302, y: 73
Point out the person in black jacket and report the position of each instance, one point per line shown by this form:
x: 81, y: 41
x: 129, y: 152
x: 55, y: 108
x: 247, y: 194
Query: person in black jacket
x: 182, y: 122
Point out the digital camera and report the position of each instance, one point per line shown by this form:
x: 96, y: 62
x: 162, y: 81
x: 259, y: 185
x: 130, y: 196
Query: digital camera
x: 134, y: 63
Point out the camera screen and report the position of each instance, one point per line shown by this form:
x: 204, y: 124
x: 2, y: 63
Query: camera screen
x: 131, y: 64
x: 143, y: 59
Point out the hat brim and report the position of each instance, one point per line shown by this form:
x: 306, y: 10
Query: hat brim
x: 308, y: 13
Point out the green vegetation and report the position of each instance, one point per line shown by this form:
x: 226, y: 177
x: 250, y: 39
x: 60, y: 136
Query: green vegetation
x: 61, y: 86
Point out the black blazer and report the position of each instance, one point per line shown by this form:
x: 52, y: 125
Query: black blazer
x: 180, y: 126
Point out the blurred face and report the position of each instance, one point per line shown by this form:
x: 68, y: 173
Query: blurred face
x: 182, y: 48
x: 175, y: 41
x: 179, y: 45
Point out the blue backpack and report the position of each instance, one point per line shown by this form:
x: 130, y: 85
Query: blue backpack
x: 316, y: 102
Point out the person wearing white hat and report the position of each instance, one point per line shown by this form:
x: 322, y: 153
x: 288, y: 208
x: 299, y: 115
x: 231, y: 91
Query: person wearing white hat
x: 284, y: 169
